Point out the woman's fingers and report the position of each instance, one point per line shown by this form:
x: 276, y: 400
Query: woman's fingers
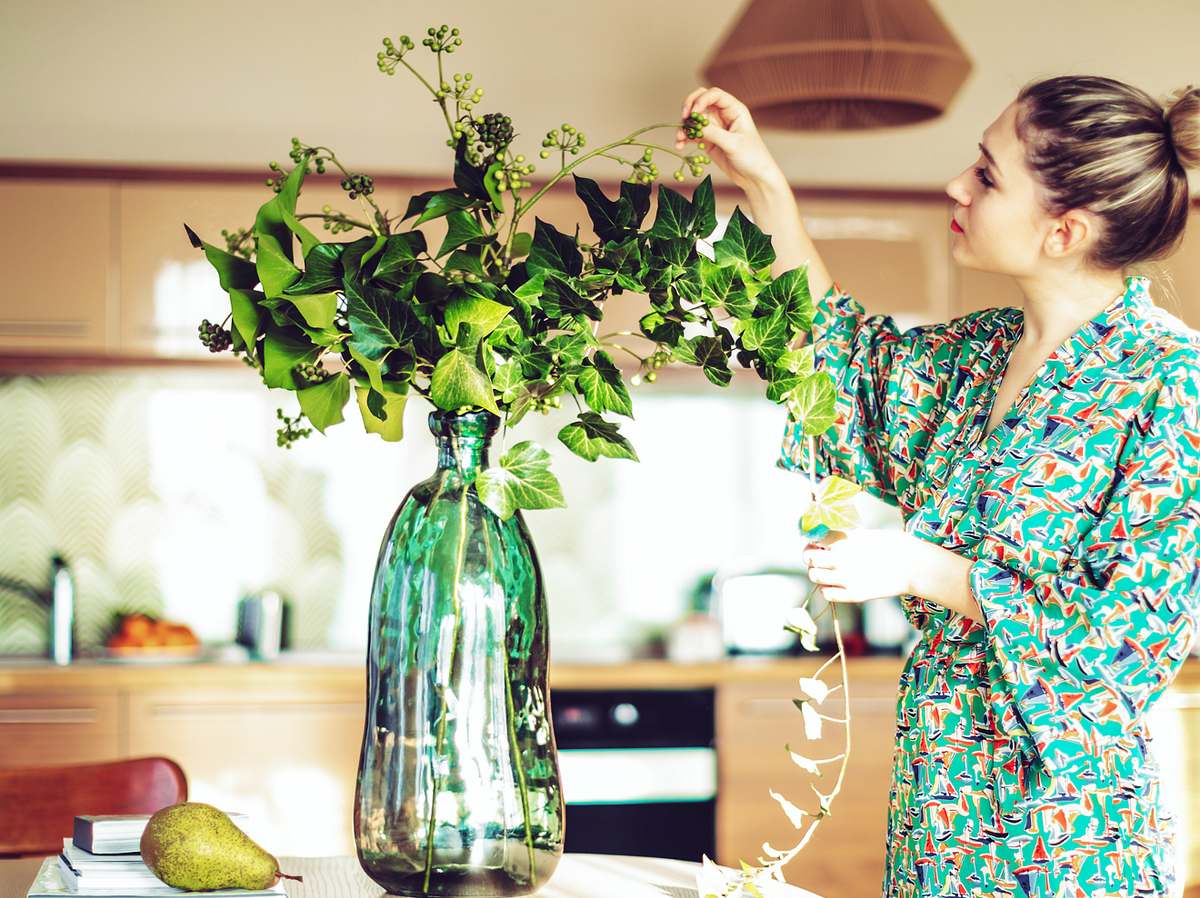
x: 729, y: 107
x: 689, y: 100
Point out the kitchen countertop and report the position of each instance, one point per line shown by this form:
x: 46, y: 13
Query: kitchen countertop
x: 334, y: 670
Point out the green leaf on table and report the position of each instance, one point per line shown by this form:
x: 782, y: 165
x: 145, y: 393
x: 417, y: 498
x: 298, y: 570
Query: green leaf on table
x: 461, y: 228
x: 399, y: 253
x: 386, y: 420
x: 322, y: 404
x: 812, y: 403
x: 482, y: 314
x: 283, y: 351
x: 833, y: 505
x: 521, y: 480
x: 434, y: 204
x: 603, y: 386
x: 590, y: 437
x: 744, y: 246
x: 457, y: 382
x: 675, y: 216
x: 322, y: 269
x: 553, y: 252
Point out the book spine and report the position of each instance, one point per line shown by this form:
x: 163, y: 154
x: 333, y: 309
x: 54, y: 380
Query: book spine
x: 82, y: 834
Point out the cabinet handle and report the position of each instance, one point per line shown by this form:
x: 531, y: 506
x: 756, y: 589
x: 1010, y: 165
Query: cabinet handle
x: 47, y: 715
x: 44, y: 328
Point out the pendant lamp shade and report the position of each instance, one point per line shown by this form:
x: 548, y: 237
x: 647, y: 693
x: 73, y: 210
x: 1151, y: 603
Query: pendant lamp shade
x: 825, y: 65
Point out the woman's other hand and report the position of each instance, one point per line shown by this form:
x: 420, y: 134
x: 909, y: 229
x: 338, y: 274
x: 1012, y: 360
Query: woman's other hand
x: 731, y: 139
x: 862, y: 564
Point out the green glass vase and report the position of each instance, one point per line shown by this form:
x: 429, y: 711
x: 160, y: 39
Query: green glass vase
x: 458, y: 784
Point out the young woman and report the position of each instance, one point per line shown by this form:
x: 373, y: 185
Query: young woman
x: 1046, y: 460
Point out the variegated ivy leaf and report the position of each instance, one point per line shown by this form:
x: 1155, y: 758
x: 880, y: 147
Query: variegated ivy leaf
x: 808, y: 765
x: 814, y: 688
x: 711, y: 880
x: 833, y: 506
x: 800, y: 622
x: 798, y: 361
x: 812, y: 402
x: 812, y: 719
x: 824, y: 800
x: 794, y: 814
x: 522, y: 480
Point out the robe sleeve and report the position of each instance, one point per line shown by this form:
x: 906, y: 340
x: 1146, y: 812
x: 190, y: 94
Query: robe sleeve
x: 1080, y: 655
x: 891, y: 390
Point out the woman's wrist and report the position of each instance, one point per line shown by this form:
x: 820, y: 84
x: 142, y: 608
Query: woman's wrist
x: 943, y: 577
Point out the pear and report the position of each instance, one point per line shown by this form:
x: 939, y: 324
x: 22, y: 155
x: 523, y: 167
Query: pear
x: 195, y: 846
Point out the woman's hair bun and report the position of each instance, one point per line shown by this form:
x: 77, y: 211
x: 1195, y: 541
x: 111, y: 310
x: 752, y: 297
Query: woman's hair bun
x: 1181, y: 112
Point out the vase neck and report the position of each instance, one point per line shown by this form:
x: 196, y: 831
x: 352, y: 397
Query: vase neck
x: 463, y: 440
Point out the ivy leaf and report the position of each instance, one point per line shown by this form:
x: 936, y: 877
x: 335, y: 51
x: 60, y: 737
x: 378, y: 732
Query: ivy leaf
x: 457, y: 382
x: 281, y: 353
x: 800, y: 622
x: 813, y: 403
x: 482, y: 314
x: 603, y: 387
x: 317, y: 309
x: 638, y: 196
x: 377, y: 321
x: 522, y: 480
x: 794, y: 814
x: 611, y: 219
x: 769, y: 332
x: 798, y: 361
x: 247, y: 318
x: 662, y: 329
x: 508, y: 380
x: 816, y: 689
x: 675, y: 216
x: 560, y: 300
x: 521, y: 243
x: 833, y: 506
x: 553, y: 252
x: 788, y: 296
x: 812, y: 719
x: 719, y: 284
x: 704, y: 208
x: 462, y: 228
x: 390, y: 424
x: 434, y: 204
x: 710, y: 356
x: 358, y: 254
x: 322, y: 404
x: 399, y: 253
x: 233, y: 272
x: 468, y: 177
x: 781, y: 382
x: 466, y: 260
x: 493, y: 190
x: 744, y: 246
x: 275, y: 270
x: 591, y: 436
x: 806, y: 764
x: 322, y: 269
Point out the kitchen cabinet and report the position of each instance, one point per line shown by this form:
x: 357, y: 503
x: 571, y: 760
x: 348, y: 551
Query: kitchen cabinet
x: 56, y: 240
x: 754, y: 723
x: 54, y: 727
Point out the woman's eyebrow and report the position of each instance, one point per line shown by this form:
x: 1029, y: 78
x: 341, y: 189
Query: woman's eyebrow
x: 990, y: 158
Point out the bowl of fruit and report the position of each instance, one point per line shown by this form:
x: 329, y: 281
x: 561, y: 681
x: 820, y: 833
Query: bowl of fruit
x: 140, y: 636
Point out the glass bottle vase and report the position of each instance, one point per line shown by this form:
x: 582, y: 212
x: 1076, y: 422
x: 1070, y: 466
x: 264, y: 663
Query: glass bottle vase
x: 458, y: 784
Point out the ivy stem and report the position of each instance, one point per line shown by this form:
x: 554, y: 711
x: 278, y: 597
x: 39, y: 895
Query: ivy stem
x: 441, y: 736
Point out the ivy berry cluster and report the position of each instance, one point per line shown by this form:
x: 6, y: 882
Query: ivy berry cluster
x: 308, y: 374
x: 291, y: 431
x: 358, y: 184
x: 214, y: 337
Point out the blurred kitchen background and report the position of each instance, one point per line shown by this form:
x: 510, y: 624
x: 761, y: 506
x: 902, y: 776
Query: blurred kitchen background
x: 152, y: 467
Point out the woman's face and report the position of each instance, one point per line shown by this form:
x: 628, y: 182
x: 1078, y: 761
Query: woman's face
x: 997, y: 206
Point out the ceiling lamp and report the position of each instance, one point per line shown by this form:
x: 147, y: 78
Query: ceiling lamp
x: 826, y: 65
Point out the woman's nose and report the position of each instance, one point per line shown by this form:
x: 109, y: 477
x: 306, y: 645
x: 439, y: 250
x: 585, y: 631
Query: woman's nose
x: 957, y: 192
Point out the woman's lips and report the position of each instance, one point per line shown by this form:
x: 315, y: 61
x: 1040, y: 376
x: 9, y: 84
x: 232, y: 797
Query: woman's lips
x: 955, y: 227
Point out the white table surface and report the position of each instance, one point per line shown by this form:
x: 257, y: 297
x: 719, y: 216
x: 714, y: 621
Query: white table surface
x: 577, y: 876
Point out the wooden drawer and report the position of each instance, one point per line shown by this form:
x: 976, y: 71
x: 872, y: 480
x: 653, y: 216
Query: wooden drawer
x: 54, y: 728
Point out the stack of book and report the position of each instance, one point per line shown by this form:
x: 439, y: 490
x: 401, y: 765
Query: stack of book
x: 102, y: 858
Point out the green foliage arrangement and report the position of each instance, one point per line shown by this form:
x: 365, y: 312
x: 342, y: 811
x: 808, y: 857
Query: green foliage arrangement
x: 508, y: 319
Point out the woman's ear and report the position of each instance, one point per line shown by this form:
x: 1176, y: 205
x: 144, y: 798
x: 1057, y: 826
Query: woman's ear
x: 1072, y: 232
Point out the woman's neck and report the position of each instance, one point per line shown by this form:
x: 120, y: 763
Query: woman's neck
x: 1058, y: 303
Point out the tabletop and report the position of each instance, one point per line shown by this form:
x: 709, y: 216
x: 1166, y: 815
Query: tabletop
x: 577, y: 876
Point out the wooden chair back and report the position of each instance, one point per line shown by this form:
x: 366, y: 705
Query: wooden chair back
x: 38, y: 804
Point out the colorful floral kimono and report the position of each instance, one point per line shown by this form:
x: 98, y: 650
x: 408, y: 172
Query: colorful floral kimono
x: 1023, y: 762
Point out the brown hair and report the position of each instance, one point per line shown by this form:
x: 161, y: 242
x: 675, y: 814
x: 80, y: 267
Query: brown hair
x: 1106, y: 146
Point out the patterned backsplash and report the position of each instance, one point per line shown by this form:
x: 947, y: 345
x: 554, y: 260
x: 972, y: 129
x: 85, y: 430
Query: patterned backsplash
x: 167, y: 494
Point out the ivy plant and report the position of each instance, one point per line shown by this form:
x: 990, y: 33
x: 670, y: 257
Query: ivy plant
x: 505, y: 315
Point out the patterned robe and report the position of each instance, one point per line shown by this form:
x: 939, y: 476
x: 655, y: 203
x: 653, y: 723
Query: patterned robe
x: 1023, y: 763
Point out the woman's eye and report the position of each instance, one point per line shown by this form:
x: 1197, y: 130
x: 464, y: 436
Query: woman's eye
x: 982, y: 175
